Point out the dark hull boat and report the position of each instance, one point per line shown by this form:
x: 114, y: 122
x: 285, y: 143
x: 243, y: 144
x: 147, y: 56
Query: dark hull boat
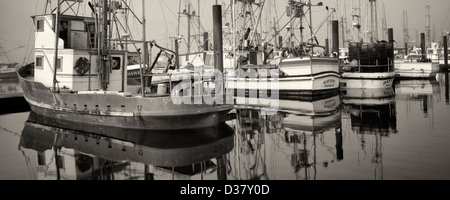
x: 119, y: 109
x: 90, y: 86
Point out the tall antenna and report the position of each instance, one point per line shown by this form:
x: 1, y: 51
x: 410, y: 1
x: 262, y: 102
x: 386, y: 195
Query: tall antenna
x: 405, y: 27
x: 384, y: 25
x: 373, y: 21
x: 356, y: 18
x: 428, y: 25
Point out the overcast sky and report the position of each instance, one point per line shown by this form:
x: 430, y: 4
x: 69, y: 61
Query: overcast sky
x: 16, y: 25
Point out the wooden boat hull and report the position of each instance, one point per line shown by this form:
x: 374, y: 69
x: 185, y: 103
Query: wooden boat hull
x: 416, y: 69
x: 120, y: 109
x: 6, y: 75
x: 298, y: 77
x: 367, y: 80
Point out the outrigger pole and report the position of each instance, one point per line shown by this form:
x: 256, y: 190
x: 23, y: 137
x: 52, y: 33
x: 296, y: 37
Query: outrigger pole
x: 55, y: 66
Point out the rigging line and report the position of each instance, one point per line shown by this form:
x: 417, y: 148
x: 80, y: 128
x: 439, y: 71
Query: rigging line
x: 11, y: 132
x: 9, y: 41
x: 278, y: 32
x: 164, y: 16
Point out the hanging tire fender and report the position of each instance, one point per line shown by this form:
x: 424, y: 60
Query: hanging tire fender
x: 82, y: 66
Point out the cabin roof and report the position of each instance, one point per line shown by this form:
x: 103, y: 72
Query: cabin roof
x: 71, y: 17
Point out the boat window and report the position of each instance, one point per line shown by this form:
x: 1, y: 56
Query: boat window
x: 115, y: 63
x: 58, y: 64
x: 64, y: 32
x: 209, y: 61
x: 40, y: 25
x: 39, y: 62
x: 91, y: 35
x: 41, y: 158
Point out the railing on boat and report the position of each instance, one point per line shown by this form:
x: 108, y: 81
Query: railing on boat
x: 389, y: 67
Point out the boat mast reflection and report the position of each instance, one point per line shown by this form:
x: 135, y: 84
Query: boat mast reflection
x: 372, y: 115
x: 65, y: 153
x: 288, y: 144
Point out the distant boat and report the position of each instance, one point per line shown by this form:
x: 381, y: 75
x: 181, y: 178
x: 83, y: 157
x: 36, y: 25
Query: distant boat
x: 89, y: 85
x: 11, y: 97
x: 8, y: 70
x: 411, y: 67
x: 7, y: 65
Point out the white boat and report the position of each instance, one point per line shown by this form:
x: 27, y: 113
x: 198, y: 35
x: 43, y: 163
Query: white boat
x: 295, y: 77
x: 371, y: 66
x: 300, y: 71
x: 89, y: 85
x: 8, y: 70
x: 411, y: 68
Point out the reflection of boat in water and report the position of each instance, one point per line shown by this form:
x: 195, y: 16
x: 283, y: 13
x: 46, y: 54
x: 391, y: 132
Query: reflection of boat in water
x: 11, y: 97
x: 414, y: 88
x: 124, y: 154
x: 288, y: 140
x: 371, y: 109
x: 370, y: 96
x: 418, y: 91
x: 372, y: 117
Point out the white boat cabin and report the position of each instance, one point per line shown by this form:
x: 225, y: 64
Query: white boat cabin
x: 77, y: 52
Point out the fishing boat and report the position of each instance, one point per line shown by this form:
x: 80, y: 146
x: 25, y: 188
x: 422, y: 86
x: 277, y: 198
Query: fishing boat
x: 11, y: 97
x: 79, y: 75
x: 300, y: 72
x: 371, y: 65
x: 7, y: 65
x: 411, y: 67
x: 8, y: 70
x: 61, y: 151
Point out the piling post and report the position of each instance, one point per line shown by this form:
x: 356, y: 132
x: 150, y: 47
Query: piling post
x: 422, y: 46
x: 391, y: 35
x: 205, y: 41
x: 280, y: 42
x: 177, y: 57
x: 445, y: 53
x: 218, y: 42
x: 205, y: 44
x: 221, y: 168
x: 335, y: 36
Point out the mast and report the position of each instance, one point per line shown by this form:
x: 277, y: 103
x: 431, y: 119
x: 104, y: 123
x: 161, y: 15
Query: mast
x: 405, y: 28
x: 428, y: 25
x: 104, y: 50
x: 55, y: 66
x: 384, y: 24
x: 356, y: 17
x: 373, y: 21
x: 310, y: 27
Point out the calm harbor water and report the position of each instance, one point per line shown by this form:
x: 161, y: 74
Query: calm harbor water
x: 392, y: 134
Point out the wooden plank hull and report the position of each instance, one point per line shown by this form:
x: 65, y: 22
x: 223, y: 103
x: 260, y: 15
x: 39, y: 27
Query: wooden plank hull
x: 298, y: 77
x: 416, y: 69
x: 120, y: 110
x: 367, y: 80
x: 7, y: 75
